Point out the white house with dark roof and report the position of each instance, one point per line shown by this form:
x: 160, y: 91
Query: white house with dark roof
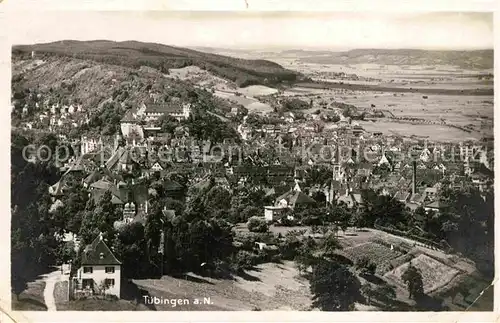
x: 100, y: 271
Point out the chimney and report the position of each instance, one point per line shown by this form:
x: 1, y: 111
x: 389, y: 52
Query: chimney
x: 414, y: 178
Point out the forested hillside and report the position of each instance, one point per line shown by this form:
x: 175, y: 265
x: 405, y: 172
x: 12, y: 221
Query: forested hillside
x: 135, y: 54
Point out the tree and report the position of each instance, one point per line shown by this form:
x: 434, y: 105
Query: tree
x: 413, y: 279
x: 173, y: 204
x: 290, y: 245
x: 366, y: 267
x: 105, y: 214
x: 330, y: 244
x: 390, y: 211
x: 33, y: 228
x: 320, y: 175
x: 88, y: 231
x: 70, y: 216
x: 217, y: 198
x: 155, y: 222
x: 340, y: 216
x: 256, y: 224
x: 334, y: 287
x: 249, y: 212
x: 167, y: 123
x: 367, y: 291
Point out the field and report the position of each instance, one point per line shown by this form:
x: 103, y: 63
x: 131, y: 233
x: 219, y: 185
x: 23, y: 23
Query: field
x: 31, y: 299
x: 435, y: 117
x: 433, y: 133
x: 269, y: 287
x: 101, y: 305
x: 375, y: 252
x: 455, y: 96
x: 225, y: 89
x: 434, y: 273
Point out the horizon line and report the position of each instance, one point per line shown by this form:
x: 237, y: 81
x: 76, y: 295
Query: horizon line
x: 304, y: 48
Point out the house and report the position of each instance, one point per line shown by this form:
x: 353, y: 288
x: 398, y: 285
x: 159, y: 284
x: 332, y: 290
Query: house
x: 100, y: 271
x: 156, y: 167
x: 402, y: 196
x: 118, y: 193
x: 123, y: 159
x: 351, y: 199
x: 173, y: 189
x: 430, y: 192
x: 58, y: 189
x: 129, y: 212
x: 289, y: 200
x: 417, y: 198
x: 289, y: 117
x: 130, y: 125
x: 294, y: 198
x: 435, y: 206
x: 480, y: 181
x: 425, y: 155
x: 384, y: 161
x: 88, y: 144
x: 174, y: 108
x: 272, y: 212
x: 421, y: 166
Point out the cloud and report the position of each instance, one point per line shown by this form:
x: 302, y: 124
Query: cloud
x: 263, y: 29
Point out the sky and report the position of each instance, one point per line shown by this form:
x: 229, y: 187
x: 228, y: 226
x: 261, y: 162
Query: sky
x: 261, y: 30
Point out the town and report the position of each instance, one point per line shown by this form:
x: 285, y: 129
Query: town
x: 163, y: 185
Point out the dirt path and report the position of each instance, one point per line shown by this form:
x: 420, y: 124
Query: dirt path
x: 48, y: 294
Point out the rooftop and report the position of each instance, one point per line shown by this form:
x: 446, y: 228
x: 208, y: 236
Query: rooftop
x: 98, y: 253
x: 172, y: 106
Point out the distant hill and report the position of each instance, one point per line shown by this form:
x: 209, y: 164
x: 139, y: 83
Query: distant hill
x: 475, y: 59
x: 135, y: 54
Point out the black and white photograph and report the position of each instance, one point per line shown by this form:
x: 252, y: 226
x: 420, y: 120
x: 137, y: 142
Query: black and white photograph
x: 252, y: 161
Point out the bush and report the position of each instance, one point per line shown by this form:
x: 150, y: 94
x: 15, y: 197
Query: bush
x: 249, y: 212
x: 311, y: 220
x: 244, y: 260
x: 366, y: 267
x: 256, y: 224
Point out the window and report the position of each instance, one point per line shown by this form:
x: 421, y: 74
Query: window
x: 109, y: 282
x: 87, y: 270
x: 110, y: 270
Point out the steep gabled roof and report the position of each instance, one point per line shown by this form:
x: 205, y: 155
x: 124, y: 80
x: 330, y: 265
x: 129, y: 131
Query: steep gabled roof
x: 98, y: 253
x: 417, y: 198
x: 174, y: 105
x: 101, y: 184
x: 436, y: 205
x: 401, y: 195
x: 94, y: 176
x: 294, y: 198
x: 57, y: 188
x: 171, y: 185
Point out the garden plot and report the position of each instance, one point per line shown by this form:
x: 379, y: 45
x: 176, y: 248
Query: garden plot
x: 375, y: 252
x: 434, y: 273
